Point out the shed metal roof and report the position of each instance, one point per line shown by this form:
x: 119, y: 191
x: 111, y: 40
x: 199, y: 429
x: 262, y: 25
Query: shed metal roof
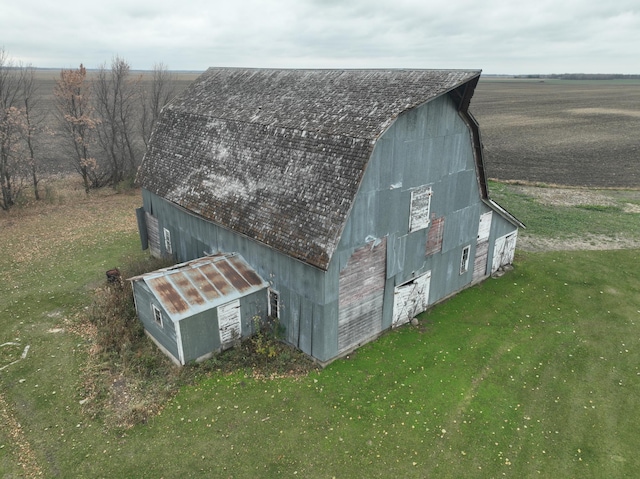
x: 278, y: 155
x: 201, y: 284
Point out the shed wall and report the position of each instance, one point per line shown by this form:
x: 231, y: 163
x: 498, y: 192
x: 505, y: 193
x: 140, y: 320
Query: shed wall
x: 165, y: 335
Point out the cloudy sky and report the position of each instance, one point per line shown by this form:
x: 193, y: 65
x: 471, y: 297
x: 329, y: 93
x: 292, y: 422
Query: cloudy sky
x: 497, y: 36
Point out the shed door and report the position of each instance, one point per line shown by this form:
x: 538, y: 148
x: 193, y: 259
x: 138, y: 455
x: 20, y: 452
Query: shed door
x: 410, y: 299
x: 361, y: 294
x: 154, y: 234
x: 503, y: 251
x: 482, y: 246
x: 229, y: 322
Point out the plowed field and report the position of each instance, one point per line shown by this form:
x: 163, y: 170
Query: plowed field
x: 566, y: 132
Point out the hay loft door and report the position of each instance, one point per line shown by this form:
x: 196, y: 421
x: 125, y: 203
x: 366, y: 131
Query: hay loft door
x: 361, y: 294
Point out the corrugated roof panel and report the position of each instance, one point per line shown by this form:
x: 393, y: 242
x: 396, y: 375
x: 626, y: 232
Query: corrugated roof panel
x: 232, y: 275
x: 247, y: 273
x: 201, y: 284
x: 204, y: 286
x: 217, y: 278
x: 186, y: 289
x: 168, y: 295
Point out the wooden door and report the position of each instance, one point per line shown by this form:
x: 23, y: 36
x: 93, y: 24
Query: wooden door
x: 361, y: 294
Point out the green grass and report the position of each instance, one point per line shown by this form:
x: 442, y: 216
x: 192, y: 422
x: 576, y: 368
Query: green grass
x: 571, y: 221
x: 534, y: 374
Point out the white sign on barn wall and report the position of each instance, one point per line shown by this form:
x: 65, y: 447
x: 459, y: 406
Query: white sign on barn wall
x: 420, y: 207
x: 229, y: 322
x: 411, y: 299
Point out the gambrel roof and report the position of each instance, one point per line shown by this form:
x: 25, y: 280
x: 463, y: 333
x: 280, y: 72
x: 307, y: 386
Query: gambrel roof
x: 278, y: 155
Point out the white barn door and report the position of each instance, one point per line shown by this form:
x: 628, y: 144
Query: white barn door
x: 504, y: 251
x: 229, y: 322
x: 410, y: 299
x: 482, y: 246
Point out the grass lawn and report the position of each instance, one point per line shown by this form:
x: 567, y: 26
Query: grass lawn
x: 535, y: 374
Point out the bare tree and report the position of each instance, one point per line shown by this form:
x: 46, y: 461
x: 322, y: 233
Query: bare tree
x: 116, y: 102
x: 153, y: 98
x: 11, y: 130
x: 76, y: 117
x: 34, y: 121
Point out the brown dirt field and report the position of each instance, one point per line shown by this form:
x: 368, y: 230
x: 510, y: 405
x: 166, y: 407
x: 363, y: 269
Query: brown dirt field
x: 577, y: 133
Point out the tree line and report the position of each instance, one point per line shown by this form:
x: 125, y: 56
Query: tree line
x: 103, y: 122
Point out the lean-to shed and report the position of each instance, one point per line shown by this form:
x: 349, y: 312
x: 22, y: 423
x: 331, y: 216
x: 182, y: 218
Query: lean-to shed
x: 196, y: 308
x: 358, y: 195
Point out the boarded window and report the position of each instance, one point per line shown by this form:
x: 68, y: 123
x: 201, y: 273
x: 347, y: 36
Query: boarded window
x: 434, y: 239
x: 361, y: 294
x: 167, y: 241
x: 411, y: 299
x: 420, y: 208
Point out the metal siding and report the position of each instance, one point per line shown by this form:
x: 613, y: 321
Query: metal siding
x: 200, y: 335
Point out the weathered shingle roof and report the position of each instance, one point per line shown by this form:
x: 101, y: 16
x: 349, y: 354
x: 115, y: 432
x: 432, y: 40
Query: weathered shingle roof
x: 278, y: 155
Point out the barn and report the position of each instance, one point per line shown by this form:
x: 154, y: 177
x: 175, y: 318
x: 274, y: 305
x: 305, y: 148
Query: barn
x: 358, y: 197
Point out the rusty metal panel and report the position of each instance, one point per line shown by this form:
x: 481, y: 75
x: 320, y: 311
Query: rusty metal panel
x: 186, y: 289
x: 168, y: 295
x: 237, y: 281
x: 247, y: 273
x: 202, y: 284
x: 217, y: 279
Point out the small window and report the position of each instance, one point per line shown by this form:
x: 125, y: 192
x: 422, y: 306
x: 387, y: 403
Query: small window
x: 274, y: 304
x: 157, y: 315
x: 167, y: 241
x: 464, y: 261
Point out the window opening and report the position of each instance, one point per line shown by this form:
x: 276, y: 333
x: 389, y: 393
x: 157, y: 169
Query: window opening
x: 157, y: 315
x: 464, y: 261
x: 274, y: 304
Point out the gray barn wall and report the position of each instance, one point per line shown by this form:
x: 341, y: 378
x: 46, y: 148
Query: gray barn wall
x: 429, y: 145
x: 300, y: 286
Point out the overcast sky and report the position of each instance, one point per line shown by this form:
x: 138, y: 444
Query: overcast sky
x: 497, y: 36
